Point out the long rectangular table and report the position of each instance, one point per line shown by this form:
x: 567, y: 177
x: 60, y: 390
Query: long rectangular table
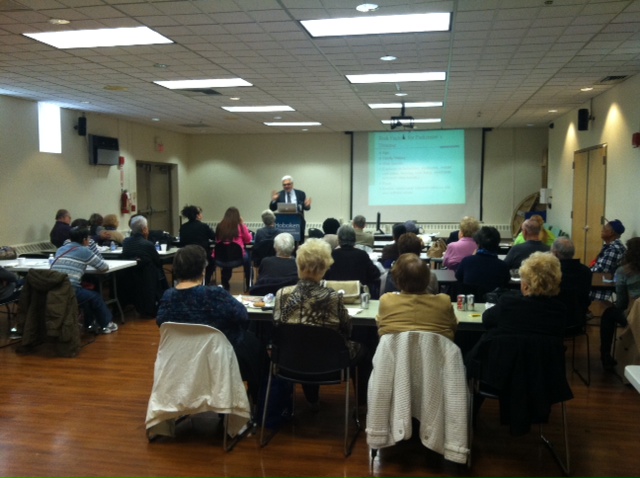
x: 114, y: 265
x: 467, y: 320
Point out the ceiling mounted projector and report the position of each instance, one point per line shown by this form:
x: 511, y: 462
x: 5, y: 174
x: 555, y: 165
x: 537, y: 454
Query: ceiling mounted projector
x: 402, y: 121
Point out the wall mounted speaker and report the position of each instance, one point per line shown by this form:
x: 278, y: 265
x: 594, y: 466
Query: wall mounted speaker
x: 82, y: 126
x: 583, y: 119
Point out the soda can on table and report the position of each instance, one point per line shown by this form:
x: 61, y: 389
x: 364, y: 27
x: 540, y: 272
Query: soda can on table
x: 462, y: 302
x: 471, y: 302
x: 364, y: 300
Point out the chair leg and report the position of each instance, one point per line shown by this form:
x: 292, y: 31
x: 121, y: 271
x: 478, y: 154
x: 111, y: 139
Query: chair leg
x: 348, y: 446
x: 566, y: 466
x: 264, y: 411
x: 587, y: 380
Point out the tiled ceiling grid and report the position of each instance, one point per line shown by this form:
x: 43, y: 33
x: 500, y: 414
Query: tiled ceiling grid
x: 508, y: 62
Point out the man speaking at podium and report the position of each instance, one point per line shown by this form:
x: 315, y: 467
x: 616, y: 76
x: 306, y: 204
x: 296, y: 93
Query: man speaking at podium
x: 288, y: 195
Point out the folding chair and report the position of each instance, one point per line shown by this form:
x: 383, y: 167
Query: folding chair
x: 196, y: 371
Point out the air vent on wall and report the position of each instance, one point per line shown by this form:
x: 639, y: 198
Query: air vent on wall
x: 197, y: 92
x: 613, y: 79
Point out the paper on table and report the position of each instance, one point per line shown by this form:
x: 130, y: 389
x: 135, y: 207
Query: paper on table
x: 353, y: 311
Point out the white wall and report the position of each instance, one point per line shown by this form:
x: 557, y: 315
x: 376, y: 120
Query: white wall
x: 243, y: 170
x: 34, y: 185
x: 617, y: 117
x: 214, y: 171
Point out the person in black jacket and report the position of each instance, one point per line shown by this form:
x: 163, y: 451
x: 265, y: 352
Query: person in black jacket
x: 351, y: 263
x: 150, y: 281
x: 194, y: 231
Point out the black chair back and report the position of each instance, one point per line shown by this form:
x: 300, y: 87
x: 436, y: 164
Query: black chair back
x: 228, y: 255
x: 261, y: 250
x: 309, y: 353
x: 315, y: 232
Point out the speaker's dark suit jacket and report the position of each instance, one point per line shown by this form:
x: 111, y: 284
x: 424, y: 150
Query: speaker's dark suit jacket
x: 300, y: 199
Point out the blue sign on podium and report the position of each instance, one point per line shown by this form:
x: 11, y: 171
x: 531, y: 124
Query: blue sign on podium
x: 291, y: 223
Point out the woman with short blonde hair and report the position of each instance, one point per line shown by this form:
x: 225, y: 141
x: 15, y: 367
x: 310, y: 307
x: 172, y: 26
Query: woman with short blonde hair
x: 309, y: 302
x: 540, y: 274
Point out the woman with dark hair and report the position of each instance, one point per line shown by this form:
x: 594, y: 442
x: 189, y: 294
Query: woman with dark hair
x: 233, y: 229
x: 190, y: 301
x: 194, y: 231
x: 95, y: 225
x: 627, y: 279
x: 483, y: 271
x: 414, y: 308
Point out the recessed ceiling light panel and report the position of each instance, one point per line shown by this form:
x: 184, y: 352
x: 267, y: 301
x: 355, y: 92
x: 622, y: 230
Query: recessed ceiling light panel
x: 211, y: 83
x: 416, y: 121
x: 257, y: 109
x: 420, y: 104
x: 379, y: 25
x: 367, y: 7
x: 292, y: 123
x: 102, y: 37
x: 397, y: 77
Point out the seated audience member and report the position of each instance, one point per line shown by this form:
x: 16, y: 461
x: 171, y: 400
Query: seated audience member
x: 60, y: 231
x: 627, y: 278
x: 536, y: 309
x: 310, y: 303
x: 465, y: 246
x: 269, y: 231
x: 483, y: 271
x: 72, y: 259
x: 194, y: 303
x: 414, y: 308
x: 412, y: 227
x: 93, y: 246
x: 409, y: 243
x: 546, y: 236
x: 453, y: 237
x: 95, y: 226
x: 330, y: 228
x: 233, y: 229
x: 110, y: 231
x: 350, y: 263
x: 138, y: 247
x: 531, y: 232
x: 610, y: 256
x: 362, y: 238
x: 390, y: 251
x: 281, y: 268
x: 194, y: 231
x: 575, y: 285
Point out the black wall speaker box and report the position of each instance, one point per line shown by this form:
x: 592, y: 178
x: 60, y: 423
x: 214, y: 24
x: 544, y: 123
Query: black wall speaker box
x: 82, y: 126
x: 583, y: 119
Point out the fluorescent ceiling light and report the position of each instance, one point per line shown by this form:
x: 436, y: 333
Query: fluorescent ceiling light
x: 212, y: 83
x: 257, y: 109
x: 423, y: 104
x: 397, y: 77
x: 102, y: 37
x: 367, y: 7
x: 414, y: 121
x: 293, y: 123
x: 415, y: 23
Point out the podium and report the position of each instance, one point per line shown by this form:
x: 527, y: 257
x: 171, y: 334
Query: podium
x: 291, y: 222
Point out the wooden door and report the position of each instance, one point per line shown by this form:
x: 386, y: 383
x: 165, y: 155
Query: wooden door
x: 154, y: 192
x: 589, y: 189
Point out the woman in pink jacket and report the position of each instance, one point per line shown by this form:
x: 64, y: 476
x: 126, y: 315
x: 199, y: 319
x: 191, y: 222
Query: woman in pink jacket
x: 232, y: 229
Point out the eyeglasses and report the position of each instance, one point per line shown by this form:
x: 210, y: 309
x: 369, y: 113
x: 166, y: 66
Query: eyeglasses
x: 287, y: 184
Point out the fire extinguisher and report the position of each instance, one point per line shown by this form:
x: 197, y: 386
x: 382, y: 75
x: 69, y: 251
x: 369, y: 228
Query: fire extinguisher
x: 125, y: 202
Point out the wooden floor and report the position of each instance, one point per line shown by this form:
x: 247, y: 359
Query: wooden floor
x: 85, y: 417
